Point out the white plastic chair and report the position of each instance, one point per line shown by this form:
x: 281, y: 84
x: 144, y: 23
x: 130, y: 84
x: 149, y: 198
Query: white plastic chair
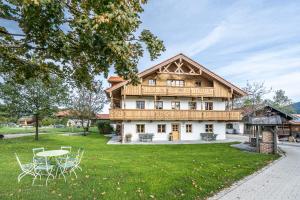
x: 43, y: 167
x: 27, y: 169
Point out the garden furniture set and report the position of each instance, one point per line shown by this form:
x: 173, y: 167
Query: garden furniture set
x: 208, y: 136
x: 51, y: 163
x: 146, y: 137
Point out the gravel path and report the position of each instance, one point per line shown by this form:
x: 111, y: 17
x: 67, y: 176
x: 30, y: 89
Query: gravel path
x: 278, y: 181
x: 17, y: 135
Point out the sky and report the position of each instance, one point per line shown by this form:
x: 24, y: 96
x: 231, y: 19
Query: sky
x: 240, y: 40
x: 254, y: 40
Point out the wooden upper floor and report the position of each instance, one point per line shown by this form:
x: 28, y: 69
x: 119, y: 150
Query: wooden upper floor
x: 177, y: 76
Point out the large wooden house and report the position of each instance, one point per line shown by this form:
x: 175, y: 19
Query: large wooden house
x: 178, y: 97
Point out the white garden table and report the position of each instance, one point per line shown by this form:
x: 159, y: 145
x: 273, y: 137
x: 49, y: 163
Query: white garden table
x: 52, y: 153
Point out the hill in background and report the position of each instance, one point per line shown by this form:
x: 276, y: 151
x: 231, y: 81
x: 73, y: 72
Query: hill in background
x: 296, y: 107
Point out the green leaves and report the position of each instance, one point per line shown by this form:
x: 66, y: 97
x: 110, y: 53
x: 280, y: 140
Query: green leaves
x: 76, y: 40
x: 34, y: 96
x: 154, y: 45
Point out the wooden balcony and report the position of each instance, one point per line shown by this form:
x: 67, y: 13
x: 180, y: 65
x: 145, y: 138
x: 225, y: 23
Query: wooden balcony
x: 145, y: 90
x: 167, y: 115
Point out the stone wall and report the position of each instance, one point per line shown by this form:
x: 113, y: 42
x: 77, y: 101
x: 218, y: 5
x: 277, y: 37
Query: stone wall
x: 267, y: 143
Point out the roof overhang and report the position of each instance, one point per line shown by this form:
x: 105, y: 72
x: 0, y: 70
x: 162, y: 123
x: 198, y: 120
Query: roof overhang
x: 191, y: 62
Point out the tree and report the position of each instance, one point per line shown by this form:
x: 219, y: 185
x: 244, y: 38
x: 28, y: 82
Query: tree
x: 281, y: 101
x: 34, y: 97
x: 256, y: 92
x: 73, y: 39
x: 87, y: 103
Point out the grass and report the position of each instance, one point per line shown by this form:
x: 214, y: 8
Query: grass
x: 16, y: 130
x: 129, y: 171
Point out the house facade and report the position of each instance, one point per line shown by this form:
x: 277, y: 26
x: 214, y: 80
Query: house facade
x: 176, y: 96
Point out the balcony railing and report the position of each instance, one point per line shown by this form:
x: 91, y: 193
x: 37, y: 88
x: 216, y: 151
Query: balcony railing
x: 145, y: 90
x: 191, y: 115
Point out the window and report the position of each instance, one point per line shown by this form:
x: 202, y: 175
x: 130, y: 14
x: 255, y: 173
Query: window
x: 208, y: 105
x: 188, y: 128
x: 176, y: 83
x: 198, y: 84
x: 152, y: 82
x: 140, y: 104
x: 229, y: 126
x: 192, y: 105
x: 158, y: 105
x: 209, y: 128
x: 140, y: 128
x: 175, y: 127
x: 161, y: 128
x: 175, y: 105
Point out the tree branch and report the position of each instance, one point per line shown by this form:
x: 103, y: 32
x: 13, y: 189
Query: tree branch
x: 13, y: 34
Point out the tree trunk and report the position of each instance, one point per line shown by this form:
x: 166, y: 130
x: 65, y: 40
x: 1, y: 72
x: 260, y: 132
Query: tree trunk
x: 36, y: 127
x: 82, y: 124
x: 88, y: 125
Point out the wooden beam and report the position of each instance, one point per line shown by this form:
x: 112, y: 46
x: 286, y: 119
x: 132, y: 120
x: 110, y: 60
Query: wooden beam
x: 179, y: 69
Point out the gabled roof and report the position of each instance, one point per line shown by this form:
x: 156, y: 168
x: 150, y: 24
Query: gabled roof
x: 188, y: 60
x: 247, y: 111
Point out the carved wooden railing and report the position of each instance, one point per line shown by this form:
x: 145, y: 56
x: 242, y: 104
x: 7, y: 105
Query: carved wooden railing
x: 150, y: 114
x: 168, y: 91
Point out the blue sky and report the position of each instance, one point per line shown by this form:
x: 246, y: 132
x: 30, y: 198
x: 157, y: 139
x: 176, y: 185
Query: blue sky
x: 251, y: 40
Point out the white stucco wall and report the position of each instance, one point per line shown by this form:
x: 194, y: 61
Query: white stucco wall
x: 197, y: 128
x: 149, y: 103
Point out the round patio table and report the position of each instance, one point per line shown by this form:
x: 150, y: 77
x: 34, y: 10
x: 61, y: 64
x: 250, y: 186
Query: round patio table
x: 52, y: 153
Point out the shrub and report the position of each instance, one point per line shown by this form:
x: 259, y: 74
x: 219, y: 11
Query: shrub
x: 104, y: 127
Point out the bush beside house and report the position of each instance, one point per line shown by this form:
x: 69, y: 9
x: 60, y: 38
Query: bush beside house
x: 104, y: 127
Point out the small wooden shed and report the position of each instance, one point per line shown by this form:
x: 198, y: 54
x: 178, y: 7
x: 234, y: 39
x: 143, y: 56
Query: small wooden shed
x: 264, y: 126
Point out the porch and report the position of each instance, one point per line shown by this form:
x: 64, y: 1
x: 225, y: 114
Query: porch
x: 115, y: 140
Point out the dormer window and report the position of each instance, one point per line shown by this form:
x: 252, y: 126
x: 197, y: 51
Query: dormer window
x: 152, y: 82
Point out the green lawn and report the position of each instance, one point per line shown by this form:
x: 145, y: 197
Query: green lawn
x: 9, y: 130
x: 129, y: 171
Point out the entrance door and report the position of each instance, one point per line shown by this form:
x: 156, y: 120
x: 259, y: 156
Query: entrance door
x: 176, y: 131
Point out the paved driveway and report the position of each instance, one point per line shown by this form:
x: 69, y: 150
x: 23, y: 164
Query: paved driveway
x: 280, y: 181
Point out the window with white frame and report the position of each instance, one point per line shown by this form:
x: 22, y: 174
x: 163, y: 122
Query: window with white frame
x: 209, y: 106
x: 140, y: 104
x: 158, y: 105
x: 140, y: 128
x: 175, y: 105
x: 192, y: 105
x: 152, y: 82
x: 209, y: 128
x: 161, y: 128
x: 175, y: 83
x: 188, y: 128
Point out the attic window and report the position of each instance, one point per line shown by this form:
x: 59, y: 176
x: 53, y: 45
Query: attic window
x: 176, y: 83
x: 198, y: 84
x: 152, y: 82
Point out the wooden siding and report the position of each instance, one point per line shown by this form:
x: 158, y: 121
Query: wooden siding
x: 143, y: 90
x: 150, y: 114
